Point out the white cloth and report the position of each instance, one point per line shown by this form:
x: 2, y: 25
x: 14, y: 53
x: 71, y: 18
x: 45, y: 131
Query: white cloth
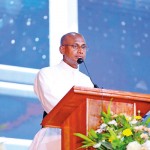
x: 46, y: 140
x: 51, y: 85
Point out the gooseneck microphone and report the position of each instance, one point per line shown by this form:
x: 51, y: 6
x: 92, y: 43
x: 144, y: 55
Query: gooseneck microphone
x: 79, y: 61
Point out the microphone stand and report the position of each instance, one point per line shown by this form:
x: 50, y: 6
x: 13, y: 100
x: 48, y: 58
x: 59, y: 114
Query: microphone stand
x: 79, y: 61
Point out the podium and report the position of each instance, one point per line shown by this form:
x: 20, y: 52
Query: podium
x: 79, y: 111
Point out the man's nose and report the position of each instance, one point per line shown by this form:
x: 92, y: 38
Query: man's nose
x: 80, y: 50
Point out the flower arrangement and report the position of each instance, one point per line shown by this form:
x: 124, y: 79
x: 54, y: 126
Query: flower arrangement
x: 118, y: 132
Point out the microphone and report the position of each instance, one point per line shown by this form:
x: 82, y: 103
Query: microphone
x: 79, y: 61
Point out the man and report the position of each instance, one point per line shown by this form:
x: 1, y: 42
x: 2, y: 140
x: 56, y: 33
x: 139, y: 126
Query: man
x: 53, y: 83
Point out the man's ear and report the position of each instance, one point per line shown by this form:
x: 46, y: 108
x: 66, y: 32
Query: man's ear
x: 62, y: 50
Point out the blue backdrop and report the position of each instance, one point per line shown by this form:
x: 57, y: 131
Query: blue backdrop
x: 118, y: 36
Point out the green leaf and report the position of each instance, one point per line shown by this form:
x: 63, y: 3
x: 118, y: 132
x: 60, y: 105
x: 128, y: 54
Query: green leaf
x: 93, y: 133
x: 112, y: 133
x: 109, y: 107
x: 82, y: 136
x: 107, y: 145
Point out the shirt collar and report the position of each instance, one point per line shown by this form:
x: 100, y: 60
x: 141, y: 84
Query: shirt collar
x: 67, y: 67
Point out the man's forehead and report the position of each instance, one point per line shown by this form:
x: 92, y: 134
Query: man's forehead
x: 74, y: 38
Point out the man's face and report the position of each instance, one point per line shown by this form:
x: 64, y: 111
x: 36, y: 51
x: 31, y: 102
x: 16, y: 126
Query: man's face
x: 73, y: 47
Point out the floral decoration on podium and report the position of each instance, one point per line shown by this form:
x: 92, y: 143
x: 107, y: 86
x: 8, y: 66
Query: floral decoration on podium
x: 118, y: 132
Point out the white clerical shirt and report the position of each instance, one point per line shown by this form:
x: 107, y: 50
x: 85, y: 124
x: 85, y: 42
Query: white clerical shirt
x: 51, y: 85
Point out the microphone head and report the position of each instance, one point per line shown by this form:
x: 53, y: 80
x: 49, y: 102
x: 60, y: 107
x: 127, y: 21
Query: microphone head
x: 80, y: 60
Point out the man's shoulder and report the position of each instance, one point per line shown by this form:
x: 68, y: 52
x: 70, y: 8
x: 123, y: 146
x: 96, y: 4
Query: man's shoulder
x: 45, y: 68
x: 48, y: 70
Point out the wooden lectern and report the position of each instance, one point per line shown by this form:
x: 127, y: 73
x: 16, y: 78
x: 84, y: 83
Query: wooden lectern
x: 80, y: 108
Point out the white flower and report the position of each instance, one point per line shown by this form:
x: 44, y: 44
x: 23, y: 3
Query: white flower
x: 134, y: 121
x: 146, y: 145
x: 103, y: 126
x: 97, y: 145
x: 139, y: 128
x: 113, y: 122
x: 133, y: 146
x: 119, y: 137
x: 144, y: 136
x: 99, y: 131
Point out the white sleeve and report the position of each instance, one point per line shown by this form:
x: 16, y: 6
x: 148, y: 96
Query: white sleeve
x: 43, y: 91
